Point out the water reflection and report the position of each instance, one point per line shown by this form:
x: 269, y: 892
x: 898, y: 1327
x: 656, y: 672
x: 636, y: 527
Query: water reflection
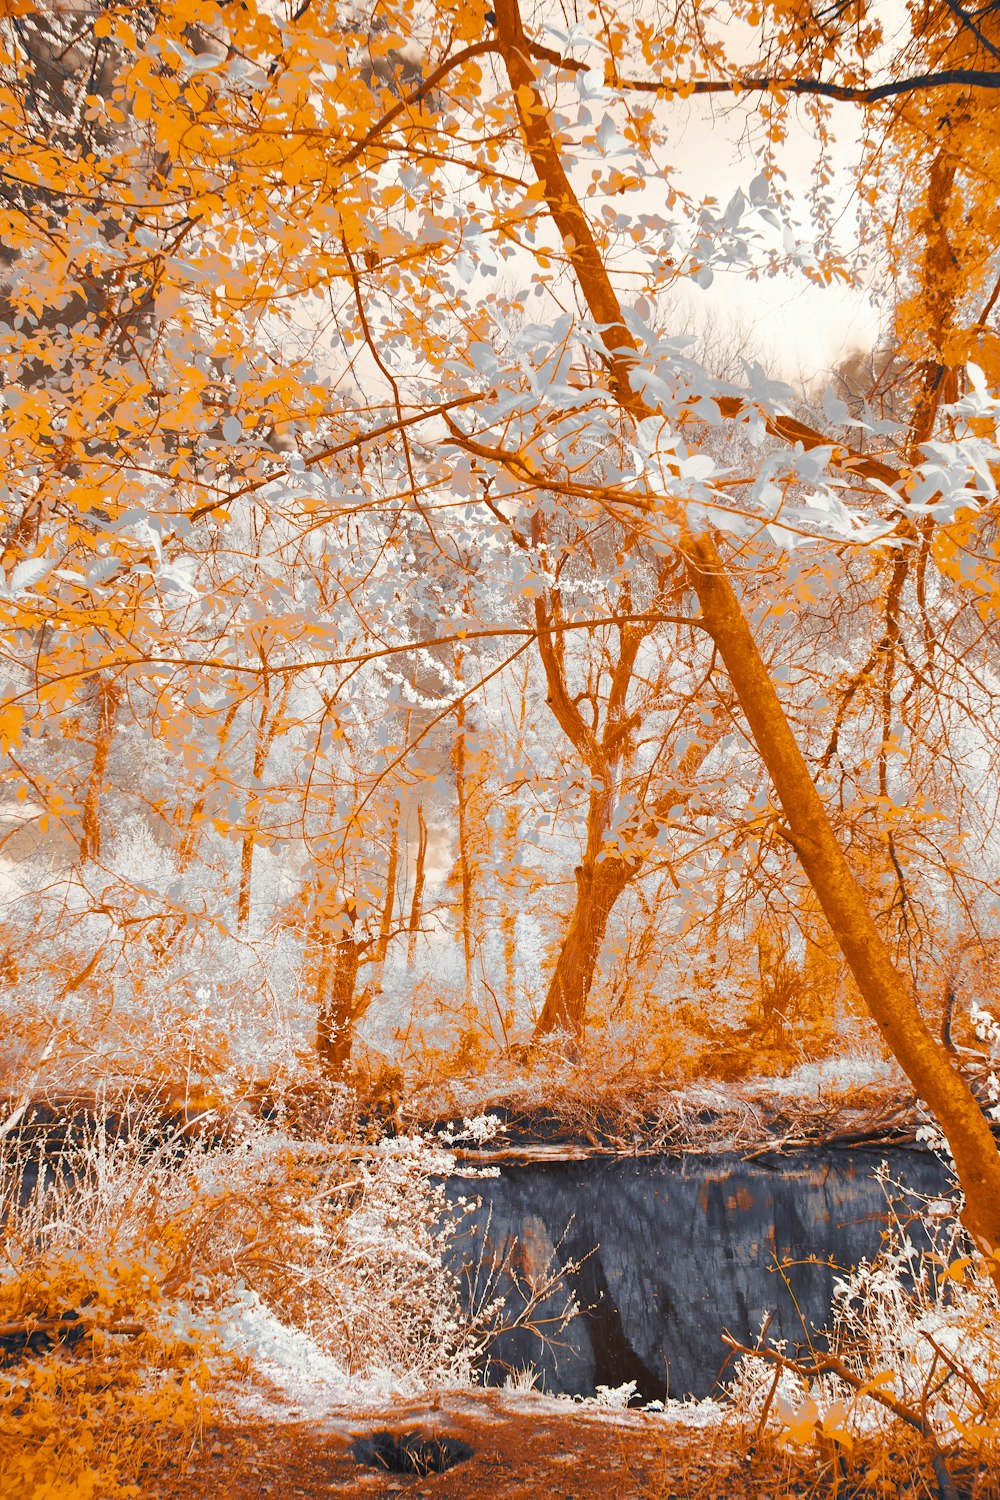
x: 685, y: 1250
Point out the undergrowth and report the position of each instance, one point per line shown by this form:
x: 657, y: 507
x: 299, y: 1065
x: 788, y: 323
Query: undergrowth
x: 128, y: 1262
x: 902, y: 1397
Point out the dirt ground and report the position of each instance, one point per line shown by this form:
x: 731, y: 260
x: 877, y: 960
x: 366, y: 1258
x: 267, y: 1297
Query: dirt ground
x: 521, y: 1449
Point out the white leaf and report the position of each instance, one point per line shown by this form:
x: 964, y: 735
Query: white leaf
x: 697, y: 467
x: 760, y: 189
x: 179, y: 575
x: 835, y: 409
x: 147, y: 533
x: 102, y: 571
x: 590, y: 84
x: 608, y: 136
x: 232, y: 429
x: 787, y: 541
x: 204, y: 62
x: 28, y: 573
x: 734, y: 210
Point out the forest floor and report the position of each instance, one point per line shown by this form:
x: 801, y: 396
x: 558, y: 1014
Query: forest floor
x: 519, y: 1447
x: 526, y: 1447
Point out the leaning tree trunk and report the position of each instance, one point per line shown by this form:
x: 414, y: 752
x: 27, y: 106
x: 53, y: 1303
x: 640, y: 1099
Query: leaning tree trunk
x: 598, y: 887
x: 888, y: 995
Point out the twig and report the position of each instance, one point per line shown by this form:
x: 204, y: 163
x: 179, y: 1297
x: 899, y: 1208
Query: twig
x: 829, y: 1364
x: 988, y: 1406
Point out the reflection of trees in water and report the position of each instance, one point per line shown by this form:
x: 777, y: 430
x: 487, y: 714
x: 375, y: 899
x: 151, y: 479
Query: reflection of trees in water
x: 684, y: 1252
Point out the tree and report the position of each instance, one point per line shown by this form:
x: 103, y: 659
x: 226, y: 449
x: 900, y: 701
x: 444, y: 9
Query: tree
x: 630, y: 798
x: 886, y: 992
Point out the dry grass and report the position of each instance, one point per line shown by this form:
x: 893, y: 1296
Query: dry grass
x: 576, y: 1107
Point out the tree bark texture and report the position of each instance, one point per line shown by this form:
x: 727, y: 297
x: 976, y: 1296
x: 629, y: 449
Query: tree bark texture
x: 419, y: 876
x: 337, y: 1011
x: 598, y: 887
x: 389, y: 904
x: 108, y: 699
x: 465, y: 872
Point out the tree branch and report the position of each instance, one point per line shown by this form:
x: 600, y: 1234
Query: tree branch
x: 770, y: 83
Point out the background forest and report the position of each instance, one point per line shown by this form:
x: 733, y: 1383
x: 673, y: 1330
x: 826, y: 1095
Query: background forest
x: 430, y: 650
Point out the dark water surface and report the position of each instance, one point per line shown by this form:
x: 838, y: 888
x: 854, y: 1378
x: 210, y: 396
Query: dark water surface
x: 683, y: 1250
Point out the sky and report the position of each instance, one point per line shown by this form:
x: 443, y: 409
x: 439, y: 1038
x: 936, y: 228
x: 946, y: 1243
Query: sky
x: 800, y: 330
x: 797, y: 330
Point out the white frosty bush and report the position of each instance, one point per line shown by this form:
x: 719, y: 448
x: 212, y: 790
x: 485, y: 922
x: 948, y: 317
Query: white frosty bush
x: 346, y: 1253
x: 914, y: 1344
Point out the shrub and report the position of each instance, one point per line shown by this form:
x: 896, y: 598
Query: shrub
x: 905, y: 1389
x: 130, y: 1259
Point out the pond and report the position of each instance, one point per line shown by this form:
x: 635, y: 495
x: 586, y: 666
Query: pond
x: 674, y: 1252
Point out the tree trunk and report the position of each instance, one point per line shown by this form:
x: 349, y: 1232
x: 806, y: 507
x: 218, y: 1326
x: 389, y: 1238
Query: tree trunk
x: 337, y: 1007
x: 510, y: 882
x: 108, y: 699
x: 188, y: 845
x: 508, y: 919
x: 419, y: 877
x: 600, y: 880
x: 246, y: 876
x: 267, y: 724
x: 598, y: 887
x: 464, y: 860
x: 886, y: 993
x: 388, y: 905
